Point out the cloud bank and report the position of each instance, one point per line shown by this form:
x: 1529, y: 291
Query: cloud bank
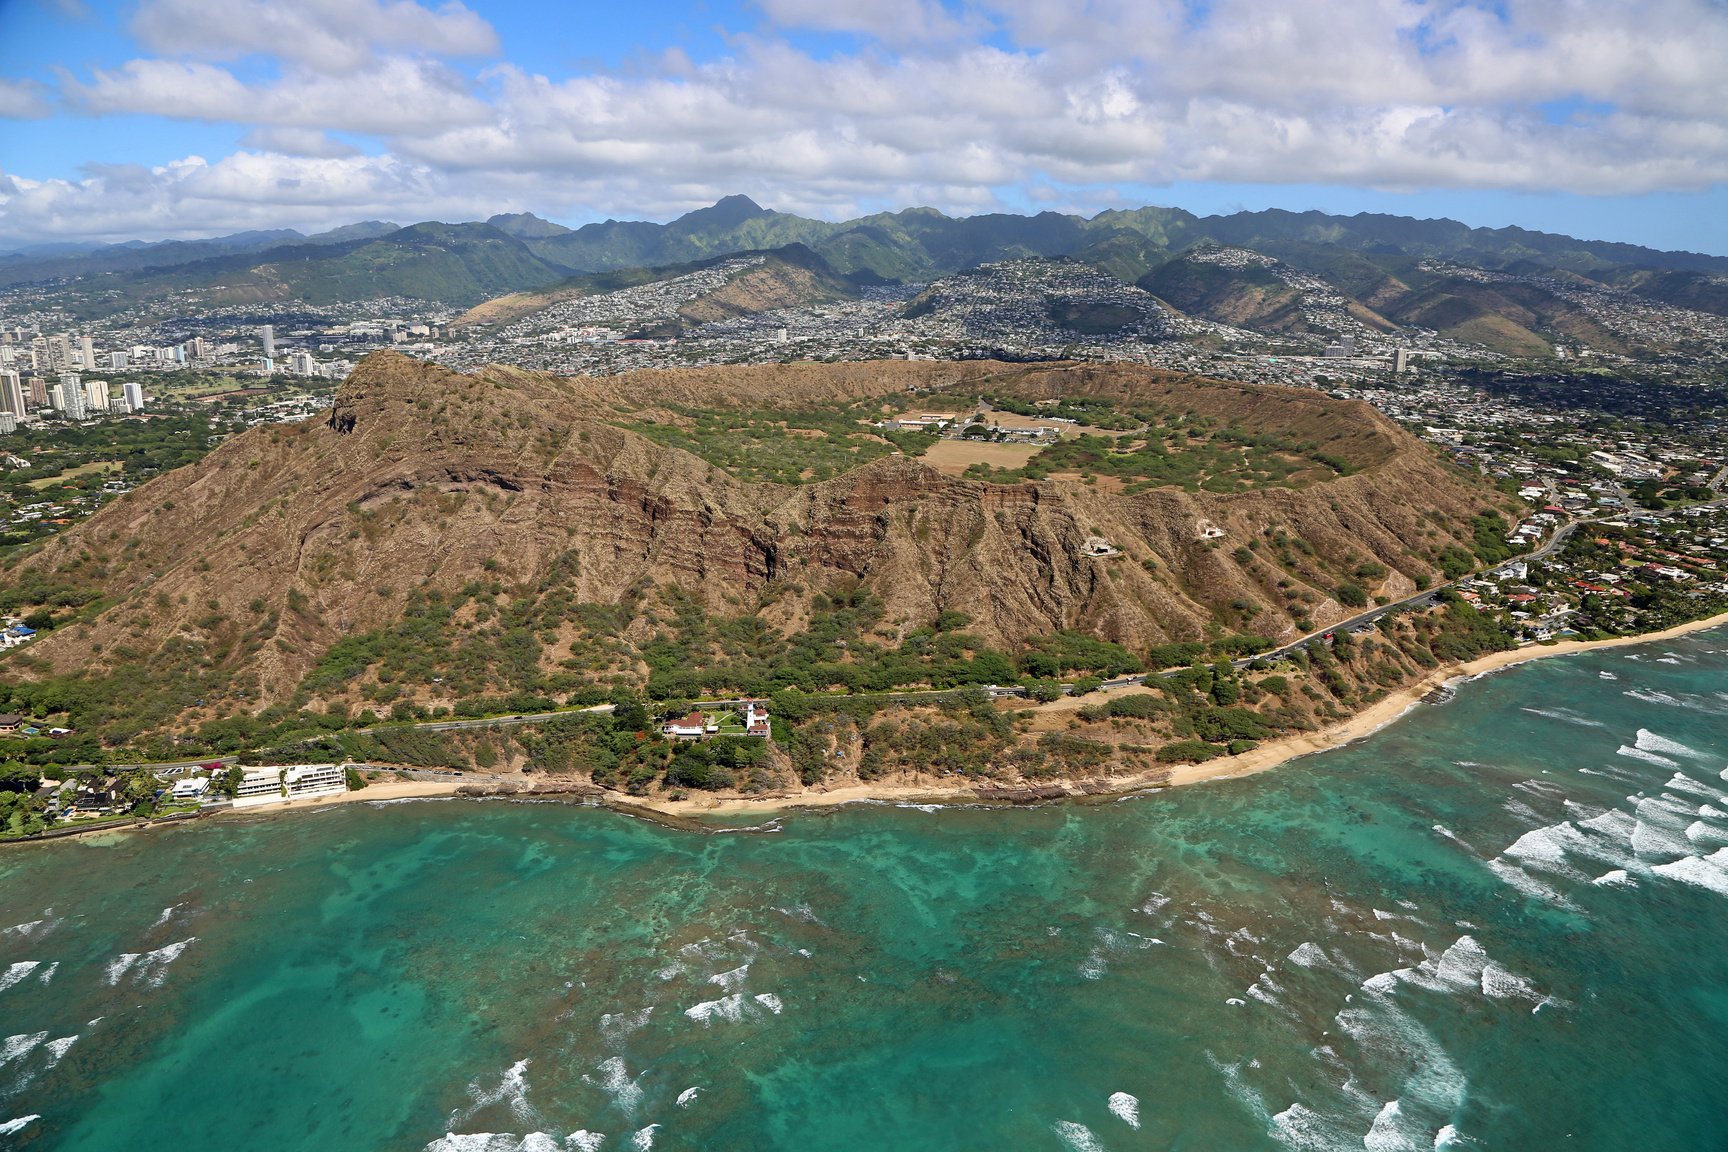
x: 373, y: 108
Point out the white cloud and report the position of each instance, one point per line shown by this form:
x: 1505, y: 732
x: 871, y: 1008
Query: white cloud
x: 326, y: 35
x: 22, y: 100
x: 397, y: 96
x: 298, y: 142
x: 1536, y: 95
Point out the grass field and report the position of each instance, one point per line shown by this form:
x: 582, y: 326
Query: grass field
x: 952, y: 457
x: 73, y: 473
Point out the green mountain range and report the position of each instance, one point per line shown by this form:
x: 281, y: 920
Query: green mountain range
x: 1376, y: 260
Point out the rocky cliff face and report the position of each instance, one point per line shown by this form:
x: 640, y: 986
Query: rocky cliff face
x: 289, y: 538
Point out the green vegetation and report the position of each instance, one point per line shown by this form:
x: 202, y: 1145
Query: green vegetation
x: 785, y: 446
x: 1175, y: 451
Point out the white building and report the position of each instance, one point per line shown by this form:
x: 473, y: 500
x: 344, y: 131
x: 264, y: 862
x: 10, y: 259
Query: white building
x: 96, y: 395
x: 11, y: 393
x: 279, y: 784
x: 191, y: 788
x: 68, y: 396
x: 133, y: 396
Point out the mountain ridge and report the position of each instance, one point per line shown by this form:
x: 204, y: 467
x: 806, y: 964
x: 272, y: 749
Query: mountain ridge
x: 913, y: 244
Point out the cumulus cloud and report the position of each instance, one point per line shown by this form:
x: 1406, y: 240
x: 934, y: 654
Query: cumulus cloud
x: 397, y: 96
x: 299, y: 142
x: 934, y: 103
x: 327, y: 35
x: 22, y: 100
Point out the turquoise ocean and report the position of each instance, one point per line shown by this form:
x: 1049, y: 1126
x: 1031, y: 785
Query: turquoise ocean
x: 1501, y: 923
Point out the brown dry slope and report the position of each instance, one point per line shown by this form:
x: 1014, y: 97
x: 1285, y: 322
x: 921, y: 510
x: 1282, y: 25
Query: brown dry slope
x: 287, y: 539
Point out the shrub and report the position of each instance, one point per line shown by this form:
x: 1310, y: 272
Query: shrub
x: 1188, y: 752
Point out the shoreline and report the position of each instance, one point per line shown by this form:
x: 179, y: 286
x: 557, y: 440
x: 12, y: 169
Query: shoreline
x: 1267, y: 756
x: 687, y: 813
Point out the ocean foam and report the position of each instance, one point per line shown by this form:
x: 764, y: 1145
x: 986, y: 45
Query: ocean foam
x: 1516, y: 877
x: 1547, y: 847
x: 1565, y: 715
x: 769, y: 1001
x: 1614, y: 878
x: 1309, y: 955
x: 1661, y: 828
x: 726, y: 1008
x: 688, y: 1096
x: 643, y: 1139
x: 1077, y: 1137
x: 17, y: 972
x: 1651, y: 742
x: 1634, y: 753
x: 1702, y: 871
x: 617, y: 1026
x: 57, y: 1049
x: 584, y: 1141
x: 19, y: 1046
x: 1301, y: 1127
x: 1680, y: 782
x: 512, y: 1089
x: 1500, y: 983
x: 732, y: 980
x: 149, y: 968
x: 47, y: 973
x: 1392, y: 1130
x: 9, y: 1127
x: 496, y: 1141
x: 1698, y: 831
x: 34, y: 929
x: 1125, y: 1108
x: 616, y: 1082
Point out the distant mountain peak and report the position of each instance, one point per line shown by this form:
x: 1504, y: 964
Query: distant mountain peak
x: 727, y: 212
x: 526, y: 225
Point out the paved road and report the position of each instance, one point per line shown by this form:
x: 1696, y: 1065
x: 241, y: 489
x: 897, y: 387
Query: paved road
x: 491, y: 721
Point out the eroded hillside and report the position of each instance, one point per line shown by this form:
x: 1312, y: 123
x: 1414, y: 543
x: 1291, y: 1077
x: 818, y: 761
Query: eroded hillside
x: 439, y: 537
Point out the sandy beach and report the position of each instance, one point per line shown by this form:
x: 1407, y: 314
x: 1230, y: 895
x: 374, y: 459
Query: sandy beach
x: 1268, y: 755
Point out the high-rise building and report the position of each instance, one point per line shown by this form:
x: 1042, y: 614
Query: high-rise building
x: 96, y: 395
x: 196, y: 348
x: 59, y: 352
x: 69, y: 396
x: 8, y: 423
x: 117, y: 361
x: 133, y: 394
x: 268, y: 335
x: 11, y: 393
x: 302, y: 364
x: 36, y: 392
x: 1401, y: 360
x: 86, y: 352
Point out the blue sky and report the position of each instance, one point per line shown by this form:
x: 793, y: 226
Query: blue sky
x: 157, y: 118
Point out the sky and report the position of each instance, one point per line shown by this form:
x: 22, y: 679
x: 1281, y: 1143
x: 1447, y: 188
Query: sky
x: 153, y: 119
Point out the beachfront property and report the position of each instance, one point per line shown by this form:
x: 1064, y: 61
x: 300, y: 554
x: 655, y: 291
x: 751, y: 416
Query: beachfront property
x: 191, y: 788
x: 699, y: 725
x: 756, y: 719
x: 691, y: 727
x: 278, y: 784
